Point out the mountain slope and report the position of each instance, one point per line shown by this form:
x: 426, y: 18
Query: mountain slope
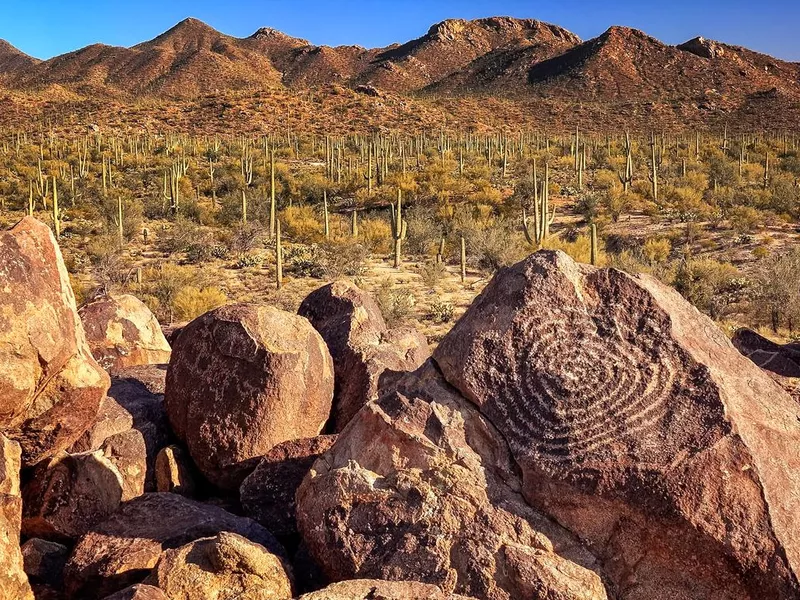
x: 625, y: 64
x: 188, y: 60
x: 13, y: 60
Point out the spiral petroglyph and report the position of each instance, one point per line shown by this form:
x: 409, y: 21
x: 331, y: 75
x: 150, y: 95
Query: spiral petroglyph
x: 583, y: 381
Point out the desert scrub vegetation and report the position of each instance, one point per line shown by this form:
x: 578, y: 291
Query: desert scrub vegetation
x: 188, y: 222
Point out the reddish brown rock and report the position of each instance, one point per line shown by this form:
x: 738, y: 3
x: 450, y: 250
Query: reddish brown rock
x: 363, y: 589
x: 44, y: 561
x: 780, y: 361
x: 13, y: 581
x: 268, y: 493
x: 367, y: 355
x: 123, y: 549
x: 50, y: 386
x: 175, y: 472
x: 139, y: 591
x: 127, y: 451
x: 122, y: 332
x: 140, y: 392
x: 421, y: 487
x: 639, y: 427
x: 112, y: 419
x: 69, y: 494
x: 242, y: 379
x: 223, y: 567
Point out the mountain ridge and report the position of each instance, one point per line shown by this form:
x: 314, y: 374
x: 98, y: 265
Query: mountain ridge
x: 499, y: 56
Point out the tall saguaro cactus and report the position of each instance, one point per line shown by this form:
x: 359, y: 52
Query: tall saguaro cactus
x: 542, y: 216
x: 278, y: 256
x: 399, y: 228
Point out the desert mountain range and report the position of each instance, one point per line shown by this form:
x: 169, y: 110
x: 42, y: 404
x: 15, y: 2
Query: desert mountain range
x: 517, y: 59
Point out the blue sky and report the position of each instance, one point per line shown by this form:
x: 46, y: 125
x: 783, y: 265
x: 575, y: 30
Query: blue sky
x: 47, y: 28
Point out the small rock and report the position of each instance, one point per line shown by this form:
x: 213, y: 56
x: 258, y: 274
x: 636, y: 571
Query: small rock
x: 224, y: 567
x: 69, y: 494
x: 174, y: 471
x: 44, y: 561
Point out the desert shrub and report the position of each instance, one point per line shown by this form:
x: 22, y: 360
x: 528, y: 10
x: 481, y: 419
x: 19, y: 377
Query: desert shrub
x: 656, y: 250
x: 745, y: 219
x: 441, y: 312
x: 775, y: 298
x: 246, y: 261
x: 376, y: 234
x: 432, y: 273
x: 202, y: 253
x: 331, y: 260
x: 161, y: 285
x: 190, y: 301
x: 395, y: 303
x: 182, y: 234
x: 245, y: 238
x: 708, y: 284
x: 423, y: 233
x: 301, y: 224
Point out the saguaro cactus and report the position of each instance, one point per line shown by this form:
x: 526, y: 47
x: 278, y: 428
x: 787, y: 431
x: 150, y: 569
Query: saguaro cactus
x: 593, y: 251
x: 543, y: 217
x: 463, y: 260
x: 56, y: 212
x: 399, y: 228
x: 326, y: 222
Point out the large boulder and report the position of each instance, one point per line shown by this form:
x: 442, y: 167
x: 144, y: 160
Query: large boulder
x: 123, y: 549
x: 419, y: 486
x: 363, y: 589
x: 268, y: 493
x: 69, y: 494
x: 242, y: 379
x: 127, y: 451
x: 367, y: 355
x: 223, y: 567
x: 638, y: 426
x: 50, y: 385
x: 13, y: 581
x: 122, y: 332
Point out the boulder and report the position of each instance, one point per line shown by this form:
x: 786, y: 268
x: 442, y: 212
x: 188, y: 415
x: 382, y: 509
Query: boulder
x: 139, y: 591
x: 122, y: 332
x: 50, y: 385
x: 123, y: 549
x: 367, y: 355
x: 637, y: 426
x: 419, y: 486
x: 69, y: 494
x: 780, y: 361
x: 223, y: 567
x: 242, y: 379
x: 112, y: 419
x: 175, y: 472
x: 363, y: 589
x: 127, y: 451
x: 44, y: 561
x: 268, y: 493
x: 13, y: 581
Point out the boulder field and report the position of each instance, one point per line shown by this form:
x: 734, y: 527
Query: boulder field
x: 580, y: 434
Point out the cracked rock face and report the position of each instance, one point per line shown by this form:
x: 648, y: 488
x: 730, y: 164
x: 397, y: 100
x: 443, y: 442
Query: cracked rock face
x: 122, y: 332
x: 50, y: 385
x: 421, y: 487
x: 367, y: 356
x: 637, y: 426
x: 13, y: 581
x: 242, y: 379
